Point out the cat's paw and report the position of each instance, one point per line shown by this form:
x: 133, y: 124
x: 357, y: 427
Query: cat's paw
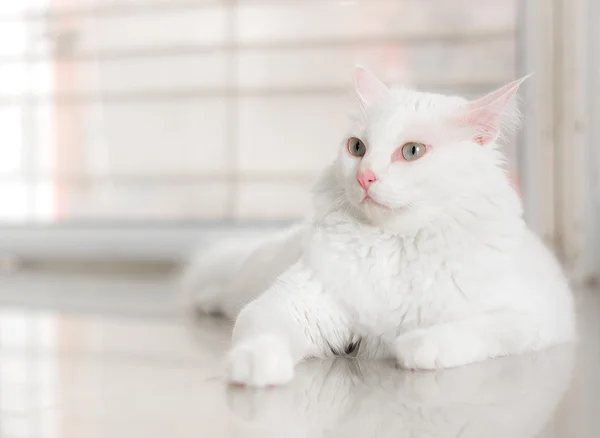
x: 425, y: 350
x: 262, y: 361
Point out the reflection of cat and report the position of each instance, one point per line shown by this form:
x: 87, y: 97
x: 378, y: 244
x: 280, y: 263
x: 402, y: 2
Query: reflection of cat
x: 512, y: 397
x: 416, y: 250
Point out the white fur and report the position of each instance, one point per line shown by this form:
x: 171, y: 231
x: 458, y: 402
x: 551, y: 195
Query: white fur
x: 230, y: 275
x: 444, y: 274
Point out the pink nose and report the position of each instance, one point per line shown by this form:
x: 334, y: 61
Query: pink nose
x: 366, y: 178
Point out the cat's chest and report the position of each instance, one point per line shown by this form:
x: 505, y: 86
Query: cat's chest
x: 380, y: 266
x: 389, y: 281
x: 374, y: 262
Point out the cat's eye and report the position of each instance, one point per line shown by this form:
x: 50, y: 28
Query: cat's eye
x: 356, y: 147
x: 413, y: 151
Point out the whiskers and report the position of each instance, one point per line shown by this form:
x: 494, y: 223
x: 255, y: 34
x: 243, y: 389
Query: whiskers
x: 339, y: 202
x: 332, y: 204
x: 333, y: 199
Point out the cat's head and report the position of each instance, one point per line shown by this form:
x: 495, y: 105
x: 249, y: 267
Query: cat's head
x: 411, y: 156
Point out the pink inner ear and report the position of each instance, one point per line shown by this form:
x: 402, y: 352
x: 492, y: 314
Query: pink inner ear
x: 509, y: 89
x: 486, y: 122
x: 485, y: 113
x: 368, y: 87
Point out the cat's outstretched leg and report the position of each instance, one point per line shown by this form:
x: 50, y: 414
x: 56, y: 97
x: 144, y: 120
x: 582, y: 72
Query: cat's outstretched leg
x: 473, y: 339
x: 229, y: 275
x: 292, y: 320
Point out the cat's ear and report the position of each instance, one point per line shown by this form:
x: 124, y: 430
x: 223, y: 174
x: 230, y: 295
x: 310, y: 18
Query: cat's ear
x: 487, y: 114
x: 368, y: 87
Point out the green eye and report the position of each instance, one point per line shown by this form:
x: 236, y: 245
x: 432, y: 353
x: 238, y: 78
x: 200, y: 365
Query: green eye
x: 356, y: 147
x: 412, y: 151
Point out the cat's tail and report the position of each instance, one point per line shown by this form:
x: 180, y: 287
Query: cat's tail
x: 225, y: 277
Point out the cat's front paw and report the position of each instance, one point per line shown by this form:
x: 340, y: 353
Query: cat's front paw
x: 425, y: 350
x: 262, y: 361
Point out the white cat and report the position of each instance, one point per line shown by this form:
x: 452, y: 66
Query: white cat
x: 416, y: 250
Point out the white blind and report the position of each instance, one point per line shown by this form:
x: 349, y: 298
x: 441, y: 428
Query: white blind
x: 151, y: 110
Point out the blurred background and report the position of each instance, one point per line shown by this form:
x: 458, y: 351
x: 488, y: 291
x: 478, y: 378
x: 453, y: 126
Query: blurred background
x: 130, y: 130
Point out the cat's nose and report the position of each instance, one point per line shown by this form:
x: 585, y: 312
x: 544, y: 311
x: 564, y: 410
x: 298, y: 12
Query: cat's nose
x: 366, y: 178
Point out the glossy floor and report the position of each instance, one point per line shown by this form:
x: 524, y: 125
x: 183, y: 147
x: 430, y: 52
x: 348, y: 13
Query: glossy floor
x: 72, y: 372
